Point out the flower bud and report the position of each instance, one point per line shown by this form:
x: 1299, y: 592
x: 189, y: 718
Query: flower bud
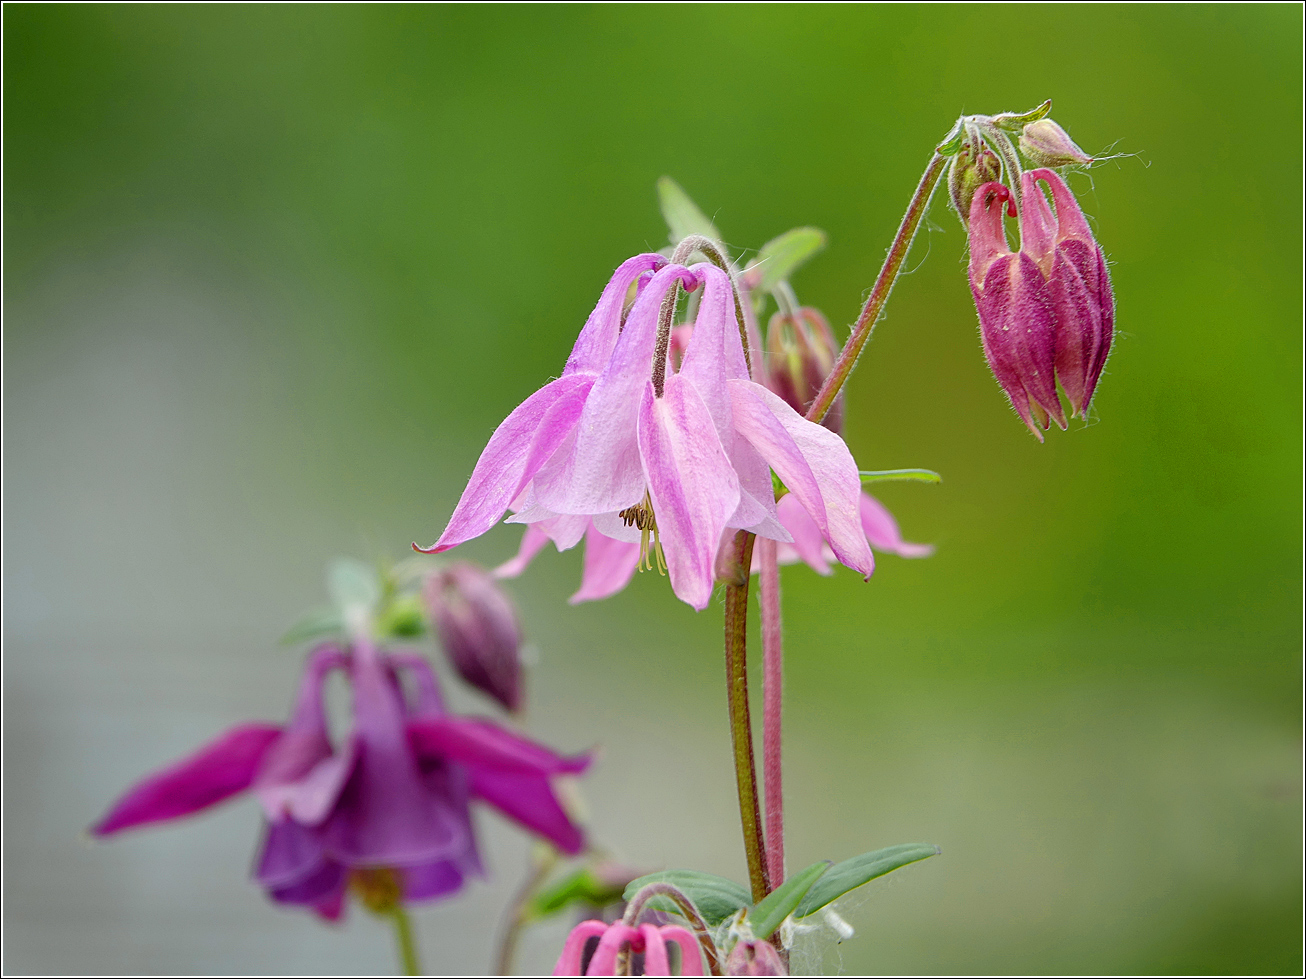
x: 478, y: 629
x: 1046, y: 144
x: 751, y: 957
x: 971, y: 168
x: 801, y: 352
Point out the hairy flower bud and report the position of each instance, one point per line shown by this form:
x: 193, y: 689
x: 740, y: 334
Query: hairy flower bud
x: 478, y: 629
x: 802, y: 350
x: 971, y: 168
x: 1046, y: 144
x: 751, y: 957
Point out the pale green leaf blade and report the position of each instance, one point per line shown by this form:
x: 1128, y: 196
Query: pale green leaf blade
x: 682, y: 214
x: 780, y: 257
x: 766, y: 917
x: 899, y: 475
x: 853, y: 873
x: 317, y: 624
x: 715, y: 897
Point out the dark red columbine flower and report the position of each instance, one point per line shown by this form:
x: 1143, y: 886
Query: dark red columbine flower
x: 392, y: 797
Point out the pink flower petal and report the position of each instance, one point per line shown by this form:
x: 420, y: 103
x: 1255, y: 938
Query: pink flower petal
x: 574, y: 948
x: 219, y: 770
x: 656, y: 962
x: 814, y: 464
x: 693, y: 487
x: 809, y: 542
x: 518, y: 447
x: 597, y: 469
x: 609, y: 566
x: 531, y: 542
x: 691, y: 953
x: 882, y: 531
x: 605, y: 956
x: 599, y: 334
x: 486, y: 745
x: 530, y: 802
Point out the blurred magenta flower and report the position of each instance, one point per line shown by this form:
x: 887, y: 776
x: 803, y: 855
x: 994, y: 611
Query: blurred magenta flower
x: 393, y: 796
x: 752, y: 957
x: 647, y: 940
x: 809, y: 546
x: 478, y: 629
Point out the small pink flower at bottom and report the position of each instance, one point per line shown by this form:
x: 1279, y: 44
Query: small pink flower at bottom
x: 648, y: 940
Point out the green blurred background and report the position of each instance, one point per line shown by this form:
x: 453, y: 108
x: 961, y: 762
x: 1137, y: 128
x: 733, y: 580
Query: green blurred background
x: 272, y: 275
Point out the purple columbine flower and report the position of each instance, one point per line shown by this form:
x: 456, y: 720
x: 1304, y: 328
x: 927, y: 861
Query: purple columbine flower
x: 393, y: 796
x: 668, y: 460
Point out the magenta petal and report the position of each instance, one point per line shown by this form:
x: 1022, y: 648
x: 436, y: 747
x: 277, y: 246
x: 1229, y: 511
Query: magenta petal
x: 531, y: 543
x: 518, y: 447
x: 656, y: 962
x: 814, y: 464
x: 693, y: 487
x: 482, y: 744
x: 323, y: 891
x: 882, y: 531
x: 597, y: 470
x: 609, y: 566
x: 605, y: 956
x: 573, y: 950
x: 808, y: 543
x: 217, y: 771
x: 425, y: 881
x: 599, y: 334
x: 691, y: 953
x: 291, y: 854
x: 529, y: 800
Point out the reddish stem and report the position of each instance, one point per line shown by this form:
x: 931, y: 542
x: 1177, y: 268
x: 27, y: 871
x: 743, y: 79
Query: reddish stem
x: 772, y: 707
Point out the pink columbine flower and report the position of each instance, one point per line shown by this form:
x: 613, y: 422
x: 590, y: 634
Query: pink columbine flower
x: 667, y: 460
x: 647, y: 940
x: 1046, y: 311
x: 751, y: 957
x: 394, y: 795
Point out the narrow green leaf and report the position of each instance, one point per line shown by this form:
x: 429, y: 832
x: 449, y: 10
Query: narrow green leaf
x: 900, y: 475
x: 844, y: 877
x: 716, y: 898
x: 315, y: 625
x: 780, y: 257
x: 682, y: 214
x: 769, y: 912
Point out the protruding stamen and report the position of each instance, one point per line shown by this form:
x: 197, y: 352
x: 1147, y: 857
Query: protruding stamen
x: 641, y: 515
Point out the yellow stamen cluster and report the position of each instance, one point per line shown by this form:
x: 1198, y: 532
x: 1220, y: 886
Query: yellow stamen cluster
x: 641, y: 515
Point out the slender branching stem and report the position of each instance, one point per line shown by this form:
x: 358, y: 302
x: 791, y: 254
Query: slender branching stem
x: 741, y: 727
x: 861, y: 331
x: 772, y: 707
x: 518, y: 911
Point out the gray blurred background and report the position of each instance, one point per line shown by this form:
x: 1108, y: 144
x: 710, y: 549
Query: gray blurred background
x: 272, y: 275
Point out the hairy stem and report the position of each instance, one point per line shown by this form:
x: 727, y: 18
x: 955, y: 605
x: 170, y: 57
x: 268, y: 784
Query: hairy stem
x: 861, y: 331
x: 517, y: 912
x: 772, y: 707
x: 741, y: 727
x: 685, y: 908
x: 404, y: 939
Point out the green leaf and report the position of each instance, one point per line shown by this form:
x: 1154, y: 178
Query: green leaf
x: 682, y: 214
x: 716, y: 898
x: 315, y: 625
x: 900, y: 475
x: 780, y: 257
x: 353, y: 584
x: 853, y: 873
x: 581, y: 887
x: 765, y: 918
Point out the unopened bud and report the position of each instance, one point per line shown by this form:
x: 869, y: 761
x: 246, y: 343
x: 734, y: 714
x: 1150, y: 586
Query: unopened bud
x: 1046, y: 144
x: 478, y: 629
x: 751, y: 957
x: 972, y: 167
x: 801, y: 351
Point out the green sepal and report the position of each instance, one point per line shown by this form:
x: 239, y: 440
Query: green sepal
x: 716, y: 898
x: 899, y: 475
x: 403, y: 618
x: 582, y: 887
x: 781, y: 257
x: 769, y: 912
x: 853, y: 873
x: 682, y: 215
x: 1014, y: 122
x: 317, y: 624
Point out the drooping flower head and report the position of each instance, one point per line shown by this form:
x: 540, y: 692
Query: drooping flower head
x: 394, y: 795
